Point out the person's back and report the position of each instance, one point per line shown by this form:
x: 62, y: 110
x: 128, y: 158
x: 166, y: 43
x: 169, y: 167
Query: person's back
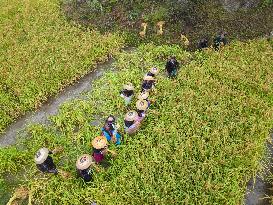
x: 148, y: 83
x: 44, y: 162
x: 110, y: 130
x: 111, y: 135
x: 220, y: 40
x: 172, y: 66
x: 85, y: 174
x: 84, y: 166
x: 203, y: 43
x: 47, y: 165
x: 131, y: 124
x: 127, y: 93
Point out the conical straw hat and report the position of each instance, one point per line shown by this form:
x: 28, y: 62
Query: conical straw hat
x: 154, y: 70
x: 143, y: 96
x: 131, y: 115
x: 99, y: 142
x: 148, y: 78
x: 142, y: 104
x: 41, y: 155
x: 129, y: 86
x: 84, y: 162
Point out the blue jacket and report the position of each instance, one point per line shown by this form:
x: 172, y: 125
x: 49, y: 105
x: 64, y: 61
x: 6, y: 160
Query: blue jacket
x: 109, y: 137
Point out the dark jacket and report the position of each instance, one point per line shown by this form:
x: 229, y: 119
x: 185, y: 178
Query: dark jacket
x: 150, y: 74
x: 171, y: 66
x: 128, y: 123
x: 86, y: 174
x: 203, y: 43
x: 147, y: 84
x: 47, y: 166
x: 127, y: 93
x: 218, y: 40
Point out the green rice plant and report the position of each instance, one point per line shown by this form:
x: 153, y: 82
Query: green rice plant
x: 202, y: 140
x: 41, y: 53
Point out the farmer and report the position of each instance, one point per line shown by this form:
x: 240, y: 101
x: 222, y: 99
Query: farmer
x: 110, y: 130
x: 144, y: 96
x: 100, y: 148
x: 84, y: 167
x: 142, y: 106
x: 203, y: 43
x: 127, y: 93
x: 44, y: 162
x: 153, y: 72
x: 220, y: 40
x: 172, y: 67
x: 148, y: 83
x: 130, y: 122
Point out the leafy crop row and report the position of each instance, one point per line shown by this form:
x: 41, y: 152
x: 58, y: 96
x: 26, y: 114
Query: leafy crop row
x: 202, y: 140
x: 40, y: 53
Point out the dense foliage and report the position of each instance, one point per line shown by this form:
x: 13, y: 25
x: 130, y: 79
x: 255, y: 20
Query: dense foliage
x: 195, y: 19
x: 201, y: 142
x: 40, y: 53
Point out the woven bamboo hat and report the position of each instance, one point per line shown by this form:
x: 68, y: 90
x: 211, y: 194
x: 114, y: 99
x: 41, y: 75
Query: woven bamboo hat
x: 84, y: 162
x: 41, y: 155
x: 142, y: 104
x: 99, y: 142
x: 131, y: 115
x: 143, y: 96
x: 148, y: 78
x: 128, y: 86
x: 154, y: 70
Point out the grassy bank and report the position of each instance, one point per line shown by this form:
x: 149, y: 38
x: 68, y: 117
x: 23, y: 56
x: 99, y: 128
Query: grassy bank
x: 201, y: 142
x: 194, y: 19
x: 40, y: 53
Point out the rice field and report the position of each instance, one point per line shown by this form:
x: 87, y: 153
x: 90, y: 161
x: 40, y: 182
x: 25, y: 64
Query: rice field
x: 40, y: 53
x: 201, y: 142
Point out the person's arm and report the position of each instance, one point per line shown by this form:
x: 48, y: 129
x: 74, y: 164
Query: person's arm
x: 113, y: 153
x: 57, y: 150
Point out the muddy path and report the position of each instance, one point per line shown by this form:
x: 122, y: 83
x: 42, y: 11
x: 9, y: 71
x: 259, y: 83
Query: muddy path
x: 53, y: 104
x: 259, y: 190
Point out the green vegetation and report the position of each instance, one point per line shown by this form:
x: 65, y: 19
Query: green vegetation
x: 194, y: 18
x: 204, y: 134
x: 201, y: 142
x: 40, y: 53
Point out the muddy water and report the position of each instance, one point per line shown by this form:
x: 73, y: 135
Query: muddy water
x: 259, y: 191
x: 52, y: 106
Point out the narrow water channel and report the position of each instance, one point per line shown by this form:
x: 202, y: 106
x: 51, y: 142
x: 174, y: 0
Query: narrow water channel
x: 53, y: 104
